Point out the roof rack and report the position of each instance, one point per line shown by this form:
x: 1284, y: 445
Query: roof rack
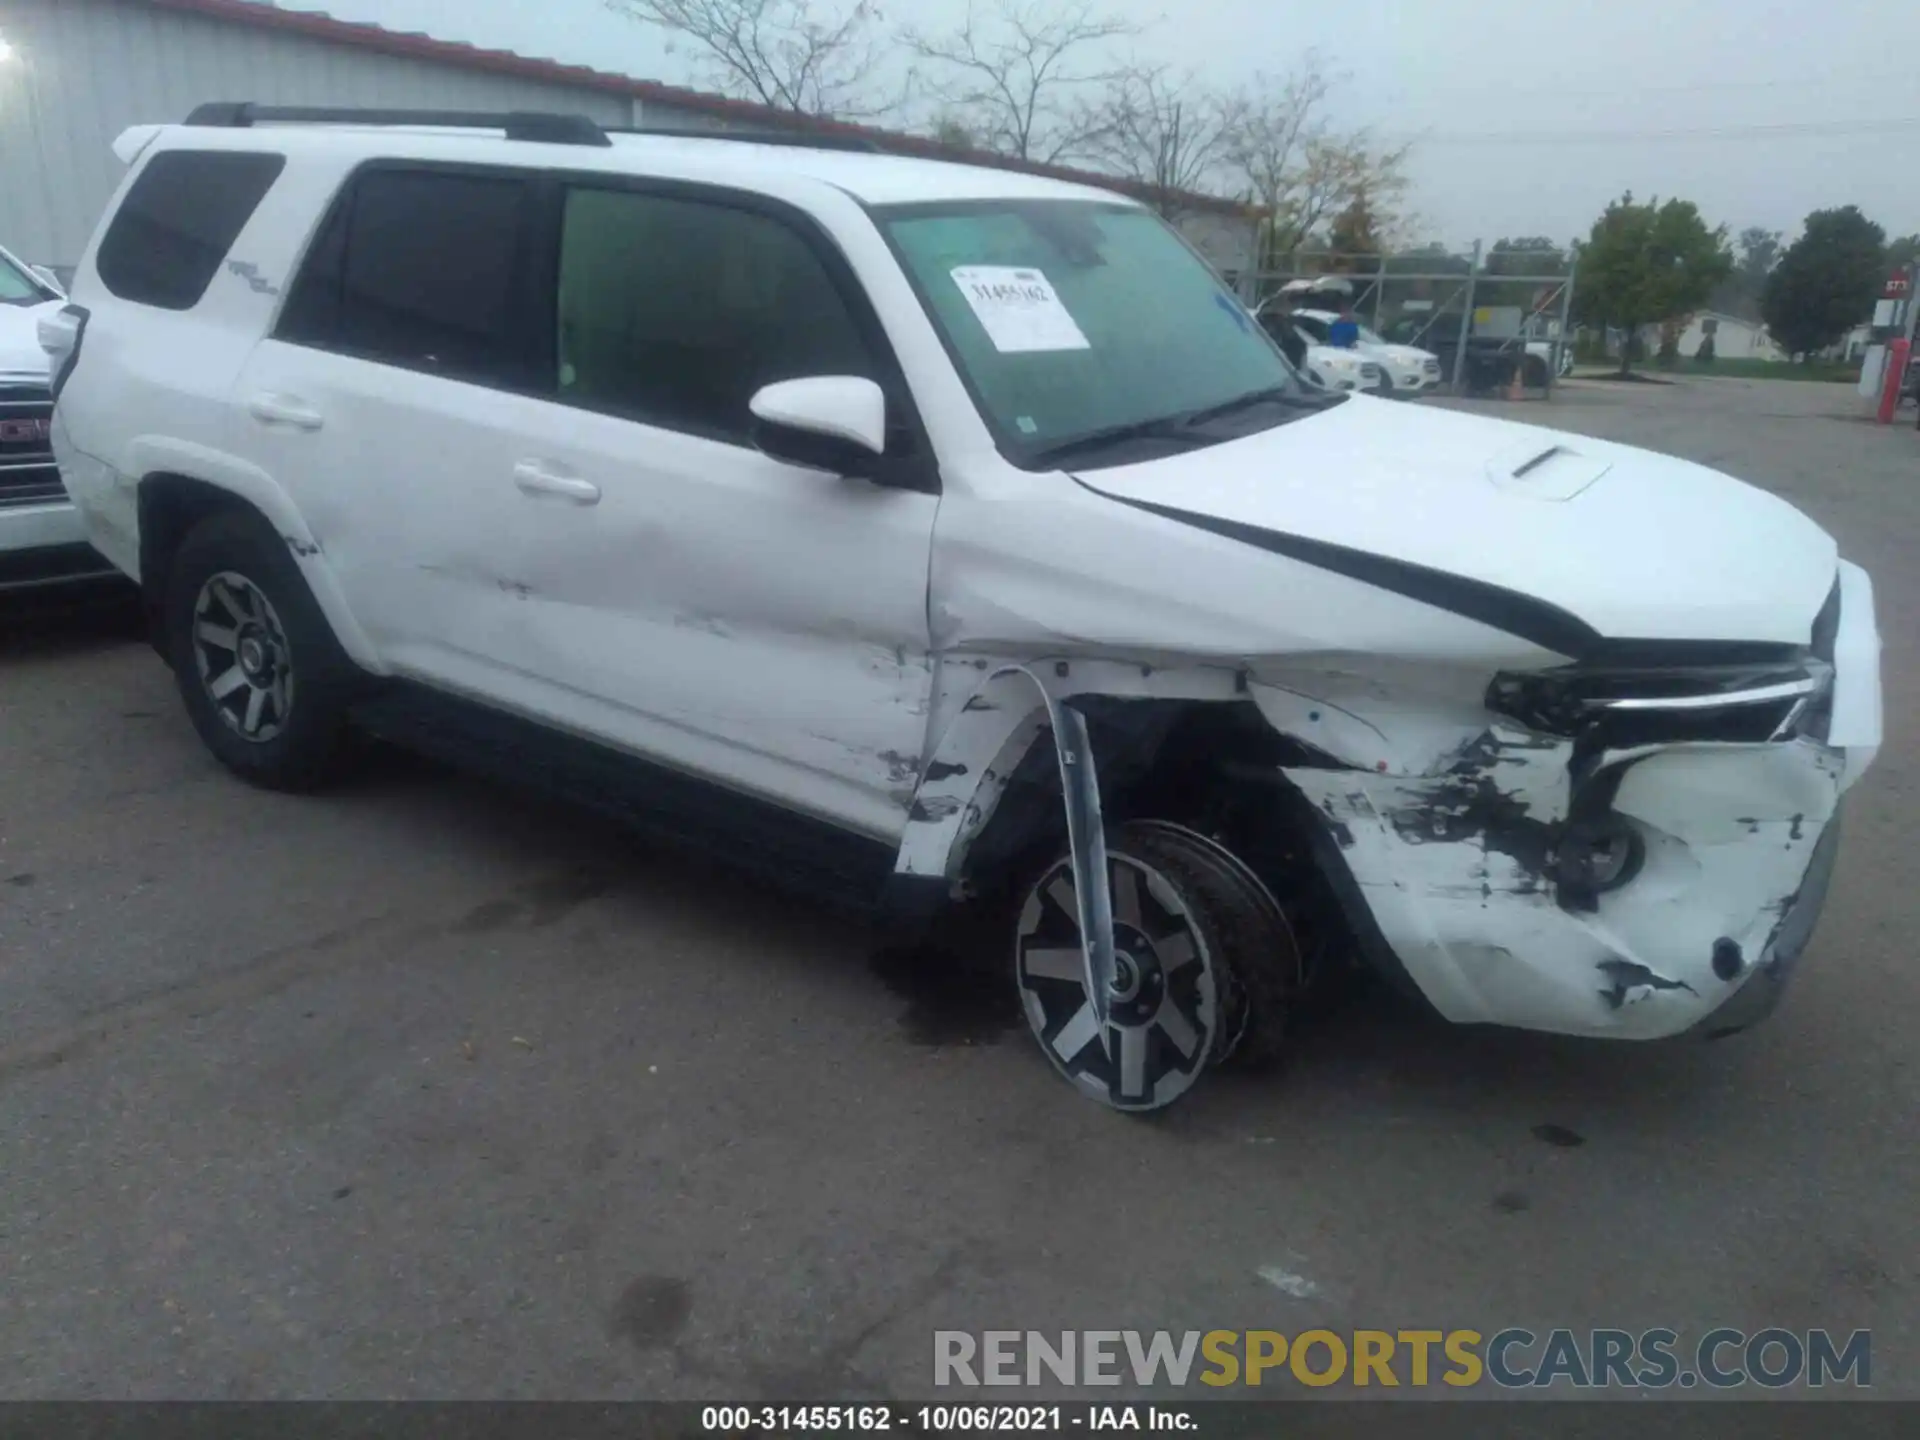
x: 799, y: 139
x: 533, y: 125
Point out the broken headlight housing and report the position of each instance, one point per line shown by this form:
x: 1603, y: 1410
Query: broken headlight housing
x: 1744, y: 694
x: 1739, y: 703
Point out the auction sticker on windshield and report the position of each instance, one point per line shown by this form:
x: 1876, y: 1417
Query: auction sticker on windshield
x: 1018, y: 309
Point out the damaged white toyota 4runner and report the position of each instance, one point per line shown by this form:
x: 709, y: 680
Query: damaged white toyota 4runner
x: 933, y: 534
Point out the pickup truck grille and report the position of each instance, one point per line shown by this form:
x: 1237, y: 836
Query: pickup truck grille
x: 28, y: 475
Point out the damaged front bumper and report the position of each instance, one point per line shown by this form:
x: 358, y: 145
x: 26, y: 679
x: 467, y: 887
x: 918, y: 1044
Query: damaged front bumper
x: 1470, y: 885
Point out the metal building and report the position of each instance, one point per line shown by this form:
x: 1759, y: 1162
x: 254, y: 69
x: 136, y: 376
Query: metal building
x: 75, y: 73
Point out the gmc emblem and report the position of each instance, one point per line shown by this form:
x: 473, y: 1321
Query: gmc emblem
x: 25, y: 432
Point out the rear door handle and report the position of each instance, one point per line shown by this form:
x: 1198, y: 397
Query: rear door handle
x: 536, y: 478
x: 285, y: 410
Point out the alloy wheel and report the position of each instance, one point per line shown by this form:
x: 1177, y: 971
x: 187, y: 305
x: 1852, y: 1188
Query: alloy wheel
x: 1163, y: 1008
x: 241, y: 654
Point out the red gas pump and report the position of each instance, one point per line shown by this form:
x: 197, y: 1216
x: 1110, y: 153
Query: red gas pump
x: 1893, y: 379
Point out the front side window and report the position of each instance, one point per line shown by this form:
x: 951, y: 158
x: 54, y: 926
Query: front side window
x: 420, y: 268
x: 179, y: 219
x: 675, y: 311
x: 1073, y: 320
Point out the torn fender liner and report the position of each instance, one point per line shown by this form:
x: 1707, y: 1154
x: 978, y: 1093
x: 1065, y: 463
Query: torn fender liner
x: 1547, y: 626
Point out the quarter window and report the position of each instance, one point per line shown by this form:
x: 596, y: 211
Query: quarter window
x: 676, y: 311
x: 179, y: 218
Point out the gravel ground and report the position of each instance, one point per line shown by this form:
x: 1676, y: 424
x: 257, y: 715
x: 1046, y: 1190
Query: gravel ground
x: 419, y: 1089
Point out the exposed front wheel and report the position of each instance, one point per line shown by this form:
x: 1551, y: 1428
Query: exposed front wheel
x: 1204, y: 967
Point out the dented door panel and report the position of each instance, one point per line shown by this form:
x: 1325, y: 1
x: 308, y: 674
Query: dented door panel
x: 728, y: 612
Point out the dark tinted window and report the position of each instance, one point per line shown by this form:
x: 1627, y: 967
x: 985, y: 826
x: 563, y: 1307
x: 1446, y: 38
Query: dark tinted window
x: 676, y: 311
x: 419, y: 268
x: 179, y: 219
x: 312, y: 312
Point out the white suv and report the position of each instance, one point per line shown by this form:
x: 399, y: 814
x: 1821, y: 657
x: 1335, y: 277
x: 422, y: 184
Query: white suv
x: 935, y: 534
x: 1408, y: 369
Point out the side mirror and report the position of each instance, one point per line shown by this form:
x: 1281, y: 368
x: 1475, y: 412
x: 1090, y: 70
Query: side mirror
x: 825, y: 422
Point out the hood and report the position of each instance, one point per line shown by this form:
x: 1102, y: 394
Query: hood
x: 1603, y: 539
x: 20, y: 352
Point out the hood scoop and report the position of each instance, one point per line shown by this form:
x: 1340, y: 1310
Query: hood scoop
x: 1555, y: 471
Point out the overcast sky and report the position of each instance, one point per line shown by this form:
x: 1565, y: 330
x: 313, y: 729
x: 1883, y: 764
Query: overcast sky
x: 1758, y: 110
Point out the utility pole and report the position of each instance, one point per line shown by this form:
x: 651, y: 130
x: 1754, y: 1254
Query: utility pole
x: 1466, y: 322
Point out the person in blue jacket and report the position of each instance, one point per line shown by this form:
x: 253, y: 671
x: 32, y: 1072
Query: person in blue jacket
x: 1344, y: 333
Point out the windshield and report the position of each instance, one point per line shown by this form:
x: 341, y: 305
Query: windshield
x: 18, y: 287
x: 1076, y: 319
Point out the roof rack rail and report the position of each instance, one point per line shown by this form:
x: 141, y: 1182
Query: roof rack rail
x: 799, y: 139
x: 534, y: 125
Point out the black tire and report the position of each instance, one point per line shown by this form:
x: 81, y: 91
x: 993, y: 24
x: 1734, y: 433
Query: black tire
x: 1266, y: 959
x: 1534, y: 373
x: 1209, y: 966
x: 232, y: 567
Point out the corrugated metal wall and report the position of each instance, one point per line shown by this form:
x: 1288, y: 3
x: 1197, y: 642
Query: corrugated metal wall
x: 84, y: 70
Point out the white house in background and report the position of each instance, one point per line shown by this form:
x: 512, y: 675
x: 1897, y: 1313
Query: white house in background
x: 1733, y: 338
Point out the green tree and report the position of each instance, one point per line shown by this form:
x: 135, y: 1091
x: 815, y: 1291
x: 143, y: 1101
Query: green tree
x: 1354, y: 237
x: 1902, y: 251
x: 1534, y: 255
x: 1739, y: 294
x: 1826, y: 282
x: 1648, y: 263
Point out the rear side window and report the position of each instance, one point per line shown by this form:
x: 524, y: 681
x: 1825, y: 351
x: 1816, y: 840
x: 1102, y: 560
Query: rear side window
x: 181, y: 216
x: 419, y: 268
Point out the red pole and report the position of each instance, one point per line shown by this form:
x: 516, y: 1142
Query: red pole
x: 1893, y: 379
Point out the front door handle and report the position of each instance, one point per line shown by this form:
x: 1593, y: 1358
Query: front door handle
x: 536, y: 478
x: 284, y: 410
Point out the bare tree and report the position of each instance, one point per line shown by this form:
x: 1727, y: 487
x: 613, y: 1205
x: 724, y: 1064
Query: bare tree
x: 1301, y: 170
x: 1017, y: 75
x: 1164, y: 131
x: 785, y: 54
x: 1336, y: 171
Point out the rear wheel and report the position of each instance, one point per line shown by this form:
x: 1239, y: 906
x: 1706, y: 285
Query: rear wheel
x: 1205, y: 969
x: 264, y: 681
